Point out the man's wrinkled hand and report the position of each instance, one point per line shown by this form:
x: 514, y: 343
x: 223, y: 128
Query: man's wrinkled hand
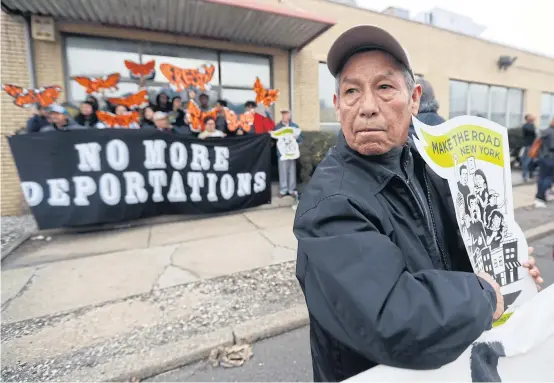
x: 499, y: 298
x: 531, y: 266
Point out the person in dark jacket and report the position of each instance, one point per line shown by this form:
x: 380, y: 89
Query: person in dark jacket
x: 381, y: 262
x: 61, y: 121
x: 147, y: 120
x: 87, y: 115
x: 177, y: 115
x: 37, y: 121
x: 428, y: 107
x: 529, y: 134
x: 220, y: 119
x: 546, y: 165
x: 162, y: 103
x: 94, y: 101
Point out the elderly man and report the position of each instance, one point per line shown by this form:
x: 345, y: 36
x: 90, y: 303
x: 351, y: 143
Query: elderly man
x: 60, y: 120
x: 384, y: 271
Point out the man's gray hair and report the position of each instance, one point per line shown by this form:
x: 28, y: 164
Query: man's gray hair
x: 408, y: 79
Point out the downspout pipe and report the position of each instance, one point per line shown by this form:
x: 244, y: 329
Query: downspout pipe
x: 30, y: 55
x: 292, y: 54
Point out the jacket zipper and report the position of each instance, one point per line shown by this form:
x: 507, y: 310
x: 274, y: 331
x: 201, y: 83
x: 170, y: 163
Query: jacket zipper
x: 441, y: 250
x: 430, y: 221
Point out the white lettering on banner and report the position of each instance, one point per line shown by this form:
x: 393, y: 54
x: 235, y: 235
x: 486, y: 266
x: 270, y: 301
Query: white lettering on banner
x: 117, y: 155
x: 196, y: 181
x: 134, y: 184
x: 157, y: 179
x: 212, y: 187
x: 244, y: 184
x: 176, y: 189
x: 110, y: 189
x: 221, y: 163
x: 154, y: 154
x: 89, y: 156
x: 227, y: 186
x: 84, y: 188
x: 259, y: 182
x: 59, y: 187
x: 178, y: 155
x: 33, y: 192
x: 200, y: 157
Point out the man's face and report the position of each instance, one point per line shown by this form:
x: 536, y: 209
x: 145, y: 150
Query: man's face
x: 473, y: 205
x: 249, y: 108
x: 464, y: 176
x: 162, y: 123
x: 285, y: 116
x: 530, y: 118
x: 210, y: 126
x: 374, y: 106
x: 203, y: 101
x: 58, y: 118
x: 164, y: 98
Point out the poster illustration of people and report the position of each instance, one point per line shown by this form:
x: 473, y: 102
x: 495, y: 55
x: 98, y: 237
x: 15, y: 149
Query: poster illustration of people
x: 472, y: 153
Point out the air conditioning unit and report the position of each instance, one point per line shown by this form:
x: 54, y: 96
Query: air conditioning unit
x: 43, y: 28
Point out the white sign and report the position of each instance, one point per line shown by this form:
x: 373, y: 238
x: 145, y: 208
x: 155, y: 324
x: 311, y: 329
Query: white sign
x: 520, y: 350
x: 286, y: 142
x: 472, y: 153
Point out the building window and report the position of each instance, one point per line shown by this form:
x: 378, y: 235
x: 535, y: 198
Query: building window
x: 499, y: 104
x: 233, y: 78
x: 327, y: 115
x: 547, y: 109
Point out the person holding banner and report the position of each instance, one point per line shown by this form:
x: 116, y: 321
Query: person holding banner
x: 381, y: 262
x: 60, y: 119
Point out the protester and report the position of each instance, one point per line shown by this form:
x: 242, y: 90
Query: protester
x: 386, y: 277
x: 94, y: 101
x: 529, y: 135
x: 162, y: 103
x: 87, y: 115
x: 287, y: 168
x: 177, y: 115
x: 210, y: 130
x: 220, y: 118
x: 161, y: 121
x: 204, y: 100
x: 61, y: 121
x: 249, y: 106
x: 546, y: 165
x: 147, y: 121
x: 122, y: 109
x: 37, y: 121
x: 428, y: 106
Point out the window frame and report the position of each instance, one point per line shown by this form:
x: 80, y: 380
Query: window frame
x: 141, y: 44
x: 489, y: 98
x: 551, y: 115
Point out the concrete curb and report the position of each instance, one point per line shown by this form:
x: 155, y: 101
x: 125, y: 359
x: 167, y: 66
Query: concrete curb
x: 539, y: 231
x: 175, y: 355
x: 15, y: 244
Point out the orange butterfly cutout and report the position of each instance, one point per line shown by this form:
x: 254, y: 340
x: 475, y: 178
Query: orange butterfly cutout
x: 245, y: 121
x: 197, y: 116
x: 181, y: 79
x: 26, y: 97
x: 265, y: 96
x: 133, y: 101
x: 118, y: 121
x: 141, y: 70
x: 95, y: 85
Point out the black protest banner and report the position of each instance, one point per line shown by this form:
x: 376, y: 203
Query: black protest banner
x: 100, y: 176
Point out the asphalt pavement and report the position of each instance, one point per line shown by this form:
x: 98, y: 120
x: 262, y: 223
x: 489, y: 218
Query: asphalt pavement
x: 287, y: 357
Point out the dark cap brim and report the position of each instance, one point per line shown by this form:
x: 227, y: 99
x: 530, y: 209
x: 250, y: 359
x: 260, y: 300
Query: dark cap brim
x: 360, y: 38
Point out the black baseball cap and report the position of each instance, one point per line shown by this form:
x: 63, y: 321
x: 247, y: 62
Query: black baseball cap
x: 361, y: 38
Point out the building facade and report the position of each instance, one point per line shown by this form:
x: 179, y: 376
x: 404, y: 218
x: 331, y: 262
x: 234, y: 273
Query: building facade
x: 283, y: 42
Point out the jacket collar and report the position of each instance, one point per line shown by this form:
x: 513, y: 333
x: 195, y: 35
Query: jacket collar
x: 375, y: 166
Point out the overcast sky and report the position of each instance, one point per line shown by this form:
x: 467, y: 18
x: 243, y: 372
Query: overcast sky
x: 525, y: 24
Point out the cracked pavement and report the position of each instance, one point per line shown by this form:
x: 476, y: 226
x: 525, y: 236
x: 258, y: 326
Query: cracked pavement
x: 81, y: 299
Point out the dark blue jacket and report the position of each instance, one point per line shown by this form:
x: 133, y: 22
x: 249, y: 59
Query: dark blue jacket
x: 36, y: 123
x: 382, y: 284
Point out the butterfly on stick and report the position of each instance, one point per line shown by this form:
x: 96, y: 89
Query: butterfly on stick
x: 25, y: 98
x: 100, y: 84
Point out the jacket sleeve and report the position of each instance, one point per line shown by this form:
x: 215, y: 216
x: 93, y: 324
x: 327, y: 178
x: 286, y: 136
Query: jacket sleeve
x: 358, y: 289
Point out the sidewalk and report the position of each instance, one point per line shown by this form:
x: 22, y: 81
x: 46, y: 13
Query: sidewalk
x: 137, y: 302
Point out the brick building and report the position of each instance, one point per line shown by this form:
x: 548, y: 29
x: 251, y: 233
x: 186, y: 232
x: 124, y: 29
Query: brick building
x: 284, y: 42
